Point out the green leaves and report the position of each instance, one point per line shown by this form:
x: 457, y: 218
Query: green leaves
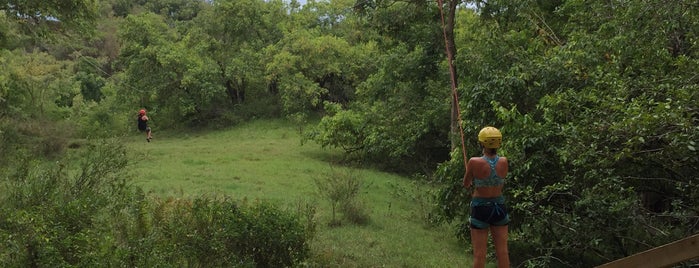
x: 95, y: 218
x: 599, y: 122
x: 398, y: 113
x: 33, y: 84
x: 35, y: 17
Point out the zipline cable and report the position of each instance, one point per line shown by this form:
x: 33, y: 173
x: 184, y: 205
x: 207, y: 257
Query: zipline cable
x: 455, y: 95
x: 108, y: 75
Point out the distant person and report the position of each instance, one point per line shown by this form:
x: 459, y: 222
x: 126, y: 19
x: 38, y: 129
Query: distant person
x: 143, y: 124
x: 488, y: 211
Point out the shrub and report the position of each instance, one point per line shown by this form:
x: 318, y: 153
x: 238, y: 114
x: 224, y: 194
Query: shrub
x: 89, y: 216
x: 102, y: 120
x: 355, y: 212
x: 39, y: 137
x: 216, y: 232
x: 342, y: 190
x: 50, y: 216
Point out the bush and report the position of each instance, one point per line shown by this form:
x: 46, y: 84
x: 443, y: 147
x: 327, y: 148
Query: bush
x: 355, y: 212
x: 48, y: 139
x: 38, y: 137
x: 342, y: 190
x: 104, y: 120
x: 9, y: 138
x: 50, y: 216
x: 89, y: 216
x: 213, y: 232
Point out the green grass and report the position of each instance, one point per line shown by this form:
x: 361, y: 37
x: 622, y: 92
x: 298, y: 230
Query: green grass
x: 265, y: 160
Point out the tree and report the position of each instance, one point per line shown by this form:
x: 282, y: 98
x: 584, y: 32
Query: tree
x: 308, y: 68
x: 179, y: 82
x: 396, y: 119
x: 206, y: 69
x: 34, y: 84
x: 232, y: 35
x: 448, y: 16
x: 39, y: 18
x: 176, y: 10
x: 586, y: 115
x: 90, y: 77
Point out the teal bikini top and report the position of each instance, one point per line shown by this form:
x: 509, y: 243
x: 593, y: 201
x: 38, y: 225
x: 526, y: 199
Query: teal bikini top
x: 493, y: 179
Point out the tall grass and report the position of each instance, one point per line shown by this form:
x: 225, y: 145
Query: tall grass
x: 264, y: 160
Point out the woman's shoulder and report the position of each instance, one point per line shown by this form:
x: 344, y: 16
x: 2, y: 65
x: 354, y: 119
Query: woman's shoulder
x: 502, y: 161
x: 479, y: 159
x: 476, y: 159
x: 477, y: 162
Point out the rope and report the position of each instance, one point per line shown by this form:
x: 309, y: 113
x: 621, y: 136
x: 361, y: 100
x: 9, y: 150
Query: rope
x: 455, y: 95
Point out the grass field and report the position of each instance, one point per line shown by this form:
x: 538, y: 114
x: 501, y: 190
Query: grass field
x: 264, y: 160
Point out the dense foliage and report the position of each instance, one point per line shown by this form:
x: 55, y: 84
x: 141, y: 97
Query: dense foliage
x: 598, y: 105
x: 58, y: 216
x: 597, y: 101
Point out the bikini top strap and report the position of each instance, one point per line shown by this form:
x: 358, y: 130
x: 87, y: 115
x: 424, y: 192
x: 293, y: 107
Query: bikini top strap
x: 492, y: 162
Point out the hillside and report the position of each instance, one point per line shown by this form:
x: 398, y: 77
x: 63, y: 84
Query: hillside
x: 264, y: 160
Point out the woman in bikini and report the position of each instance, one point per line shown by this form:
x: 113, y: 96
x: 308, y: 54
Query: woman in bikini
x: 488, y: 211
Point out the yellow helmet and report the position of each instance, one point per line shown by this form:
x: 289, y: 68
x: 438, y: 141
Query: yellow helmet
x: 490, y: 137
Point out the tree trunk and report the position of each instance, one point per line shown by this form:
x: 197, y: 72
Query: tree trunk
x: 231, y: 91
x: 235, y: 90
x: 450, y: 11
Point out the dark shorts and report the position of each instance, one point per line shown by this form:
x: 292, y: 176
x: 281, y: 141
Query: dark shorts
x: 486, y: 212
x: 144, y: 129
